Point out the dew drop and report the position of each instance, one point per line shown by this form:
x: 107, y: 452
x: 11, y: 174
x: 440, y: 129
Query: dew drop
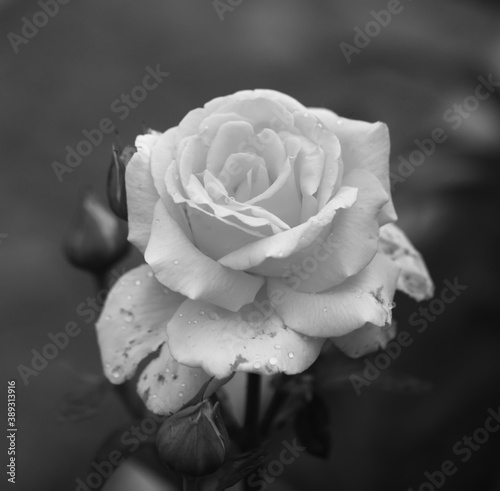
x: 157, y: 220
x: 201, y: 312
x: 257, y: 365
x: 129, y: 297
x: 280, y: 254
x: 392, y: 305
x: 180, y: 315
x: 183, y: 384
x: 306, y: 114
x: 291, y: 354
x: 116, y: 373
x: 213, y: 316
x: 189, y: 322
x: 340, y: 121
x: 273, y: 361
x: 150, y: 274
x: 181, y: 394
x: 154, y: 396
x: 107, y: 365
x: 195, y: 322
x: 167, y: 370
x: 137, y: 282
x: 277, y: 346
x: 107, y: 318
x: 176, y: 262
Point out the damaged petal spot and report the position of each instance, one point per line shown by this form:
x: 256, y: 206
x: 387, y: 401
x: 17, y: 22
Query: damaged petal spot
x: 237, y: 362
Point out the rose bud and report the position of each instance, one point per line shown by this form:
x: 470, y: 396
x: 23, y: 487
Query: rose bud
x: 97, y: 239
x: 117, y: 194
x: 194, y: 441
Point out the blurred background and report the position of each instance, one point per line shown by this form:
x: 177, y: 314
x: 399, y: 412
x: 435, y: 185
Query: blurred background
x: 64, y: 79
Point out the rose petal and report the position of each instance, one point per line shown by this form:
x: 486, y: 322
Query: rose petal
x: 165, y: 385
x: 325, y: 139
x: 132, y: 322
x: 366, y: 339
x: 364, y: 146
x: 179, y: 265
x: 285, y: 100
x: 365, y: 297
x: 162, y: 155
x: 232, y: 137
x: 353, y: 238
x: 141, y: 192
x: 271, y: 255
x: 414, y: 280
x: 262, y: 112
x: 252, y: 340
x: 281, y: 198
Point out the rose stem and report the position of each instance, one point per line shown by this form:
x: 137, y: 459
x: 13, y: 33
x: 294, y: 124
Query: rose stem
x: 251, y: 429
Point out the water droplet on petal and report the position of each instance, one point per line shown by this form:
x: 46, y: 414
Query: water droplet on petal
x: 183, y: 384
x: 280, y: 254
x: 291, y: 354
x: 116, y: 373
x: 167, y: 370
x: 181, y: 394
x: 154, y: 396
x: 213, y: 316
x: 176, y: 262
x: 157, y: 220
x: 150, y: 274
x: 129, y: 297
x: 325, y: 309
x: 107, y: 365
x: 137, y: 282
x: 257, y: 365
x: 189, y: 322
x: 277, y: 346
x: 180, y: 315
x: 273, y: 361
x: 195, y: 322
x: 107, y: 318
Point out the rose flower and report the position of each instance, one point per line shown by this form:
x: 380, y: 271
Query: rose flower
x: 266, y: 228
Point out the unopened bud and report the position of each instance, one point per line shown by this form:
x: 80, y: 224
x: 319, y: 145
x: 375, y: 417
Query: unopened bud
x: 194, y: 441
x: 116, y: 190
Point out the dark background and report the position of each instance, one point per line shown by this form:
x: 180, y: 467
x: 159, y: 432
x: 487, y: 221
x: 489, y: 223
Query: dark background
x: 428, y: 58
